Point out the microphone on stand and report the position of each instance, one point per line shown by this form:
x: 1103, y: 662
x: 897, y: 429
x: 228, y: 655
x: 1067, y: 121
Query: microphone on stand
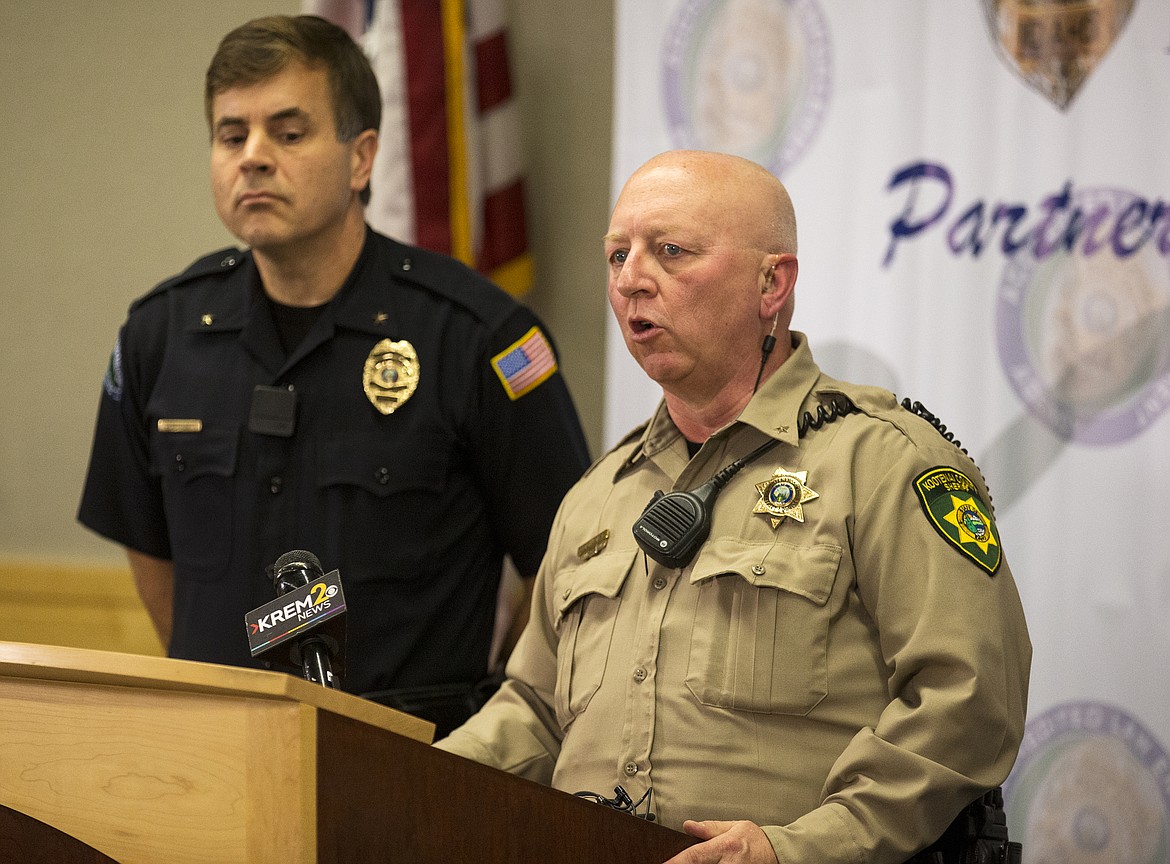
x: 291, y: 571
x: 307, y: 600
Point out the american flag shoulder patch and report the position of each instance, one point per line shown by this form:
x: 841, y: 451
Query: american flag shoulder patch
x: 525, y: 364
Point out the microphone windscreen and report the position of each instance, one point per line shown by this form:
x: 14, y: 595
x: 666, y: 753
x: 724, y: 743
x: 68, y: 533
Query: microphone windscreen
x: 307, y: 560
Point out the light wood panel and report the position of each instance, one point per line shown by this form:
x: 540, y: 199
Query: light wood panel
x: 74, y: 605
x: 148, y: 759
x: 149, y: 776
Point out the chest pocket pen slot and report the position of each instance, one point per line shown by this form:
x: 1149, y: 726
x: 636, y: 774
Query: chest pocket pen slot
x: 196, y: 471
x: 760, y: 638
x: 587, y: 604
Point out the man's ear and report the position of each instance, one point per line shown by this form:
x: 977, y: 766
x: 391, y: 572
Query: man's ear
x: 363, y: 149
x: 778, y: 280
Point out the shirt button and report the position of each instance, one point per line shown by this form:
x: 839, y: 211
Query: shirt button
x: 759, y: 569
x: 565, y: 596
x: 180, y: 464
x: 274, y: 485
x: 639, y: 674
x: 659, y: 582
x: 382, y: 475
x: 631, y: 769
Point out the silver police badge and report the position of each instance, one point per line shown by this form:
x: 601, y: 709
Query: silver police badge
x: 390, y: 375
x: 1054, y: 45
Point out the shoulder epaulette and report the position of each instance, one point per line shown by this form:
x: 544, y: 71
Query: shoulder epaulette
x: 453, y: 280
x: 629, y: 461
x: 223, y: 261
x: 920, y: 410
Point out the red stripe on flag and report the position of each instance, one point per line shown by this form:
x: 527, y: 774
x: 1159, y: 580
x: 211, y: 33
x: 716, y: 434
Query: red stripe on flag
x: 491, y: 66
x: 422, y: 37
x: 540, y: 360
x: 504, y: 234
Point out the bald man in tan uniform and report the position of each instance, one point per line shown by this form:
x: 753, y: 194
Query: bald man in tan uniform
x: 843, y: 664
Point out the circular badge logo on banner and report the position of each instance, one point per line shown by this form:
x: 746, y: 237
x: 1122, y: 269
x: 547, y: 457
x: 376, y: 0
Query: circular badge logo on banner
x: 749, y: 77
x: 1091, y: 786
x: 1084, y: 339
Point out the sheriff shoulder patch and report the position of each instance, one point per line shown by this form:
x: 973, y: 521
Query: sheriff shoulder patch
x: 952, y: 504
x: 525, y: 364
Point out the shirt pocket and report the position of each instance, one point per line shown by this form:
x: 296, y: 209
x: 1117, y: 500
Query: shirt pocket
x: 386, y: 495
x: 197, y: 471
x: 760, y: 637
x: 587, y: 599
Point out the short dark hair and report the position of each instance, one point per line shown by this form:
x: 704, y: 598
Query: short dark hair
x: 263, y: 47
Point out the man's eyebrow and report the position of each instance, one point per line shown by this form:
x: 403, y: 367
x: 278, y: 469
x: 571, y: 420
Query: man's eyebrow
x: 285, y: 114
x: 656, y: 233
x: 225, y: 122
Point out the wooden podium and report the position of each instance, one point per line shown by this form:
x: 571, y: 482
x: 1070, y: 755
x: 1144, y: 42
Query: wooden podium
x: 149, y: 760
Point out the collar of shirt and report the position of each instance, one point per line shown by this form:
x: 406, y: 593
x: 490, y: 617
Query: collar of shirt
x: 773, y: 410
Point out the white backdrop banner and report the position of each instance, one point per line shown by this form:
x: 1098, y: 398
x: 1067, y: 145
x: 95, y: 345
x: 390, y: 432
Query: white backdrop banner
x: 983, y: 194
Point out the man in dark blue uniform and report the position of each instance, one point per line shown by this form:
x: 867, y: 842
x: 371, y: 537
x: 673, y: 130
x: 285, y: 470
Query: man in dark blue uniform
x: 328, y: 389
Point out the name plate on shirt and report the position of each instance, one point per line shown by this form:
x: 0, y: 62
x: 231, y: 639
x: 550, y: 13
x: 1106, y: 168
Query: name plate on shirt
x: 167, y: 424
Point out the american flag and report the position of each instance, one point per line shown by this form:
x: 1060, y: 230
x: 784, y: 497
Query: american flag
x: 449, y: 175
x: 525, y: 364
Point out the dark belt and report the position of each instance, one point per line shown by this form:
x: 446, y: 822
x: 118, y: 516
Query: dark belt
x: 446, y: 705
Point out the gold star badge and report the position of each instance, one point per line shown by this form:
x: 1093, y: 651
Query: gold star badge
x: 783, y: 494
x: 972, y: 525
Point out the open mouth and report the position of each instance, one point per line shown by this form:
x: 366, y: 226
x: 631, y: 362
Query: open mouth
x: 643, y: 329
x: 641, y: 325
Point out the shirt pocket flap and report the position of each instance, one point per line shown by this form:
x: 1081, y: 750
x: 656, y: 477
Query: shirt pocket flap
x: 603, y: 575
x: 806, y: 571
x: 188, y: 456
x: 381, y: 467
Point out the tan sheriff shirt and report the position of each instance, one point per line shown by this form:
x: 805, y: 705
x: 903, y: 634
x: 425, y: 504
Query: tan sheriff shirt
x: 848, y: 675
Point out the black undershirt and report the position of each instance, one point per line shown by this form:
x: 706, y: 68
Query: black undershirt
x: 293, y: 323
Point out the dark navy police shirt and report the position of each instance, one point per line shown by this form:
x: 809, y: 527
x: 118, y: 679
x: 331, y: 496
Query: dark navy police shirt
x: 414, y: 508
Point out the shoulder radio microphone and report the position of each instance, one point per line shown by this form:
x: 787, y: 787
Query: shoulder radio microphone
x: 306, y: 615
x: 674, y: 525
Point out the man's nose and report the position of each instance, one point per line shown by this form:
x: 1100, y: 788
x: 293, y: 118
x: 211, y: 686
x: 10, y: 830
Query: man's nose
x: 257, y: 153
x: 635, y: 276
